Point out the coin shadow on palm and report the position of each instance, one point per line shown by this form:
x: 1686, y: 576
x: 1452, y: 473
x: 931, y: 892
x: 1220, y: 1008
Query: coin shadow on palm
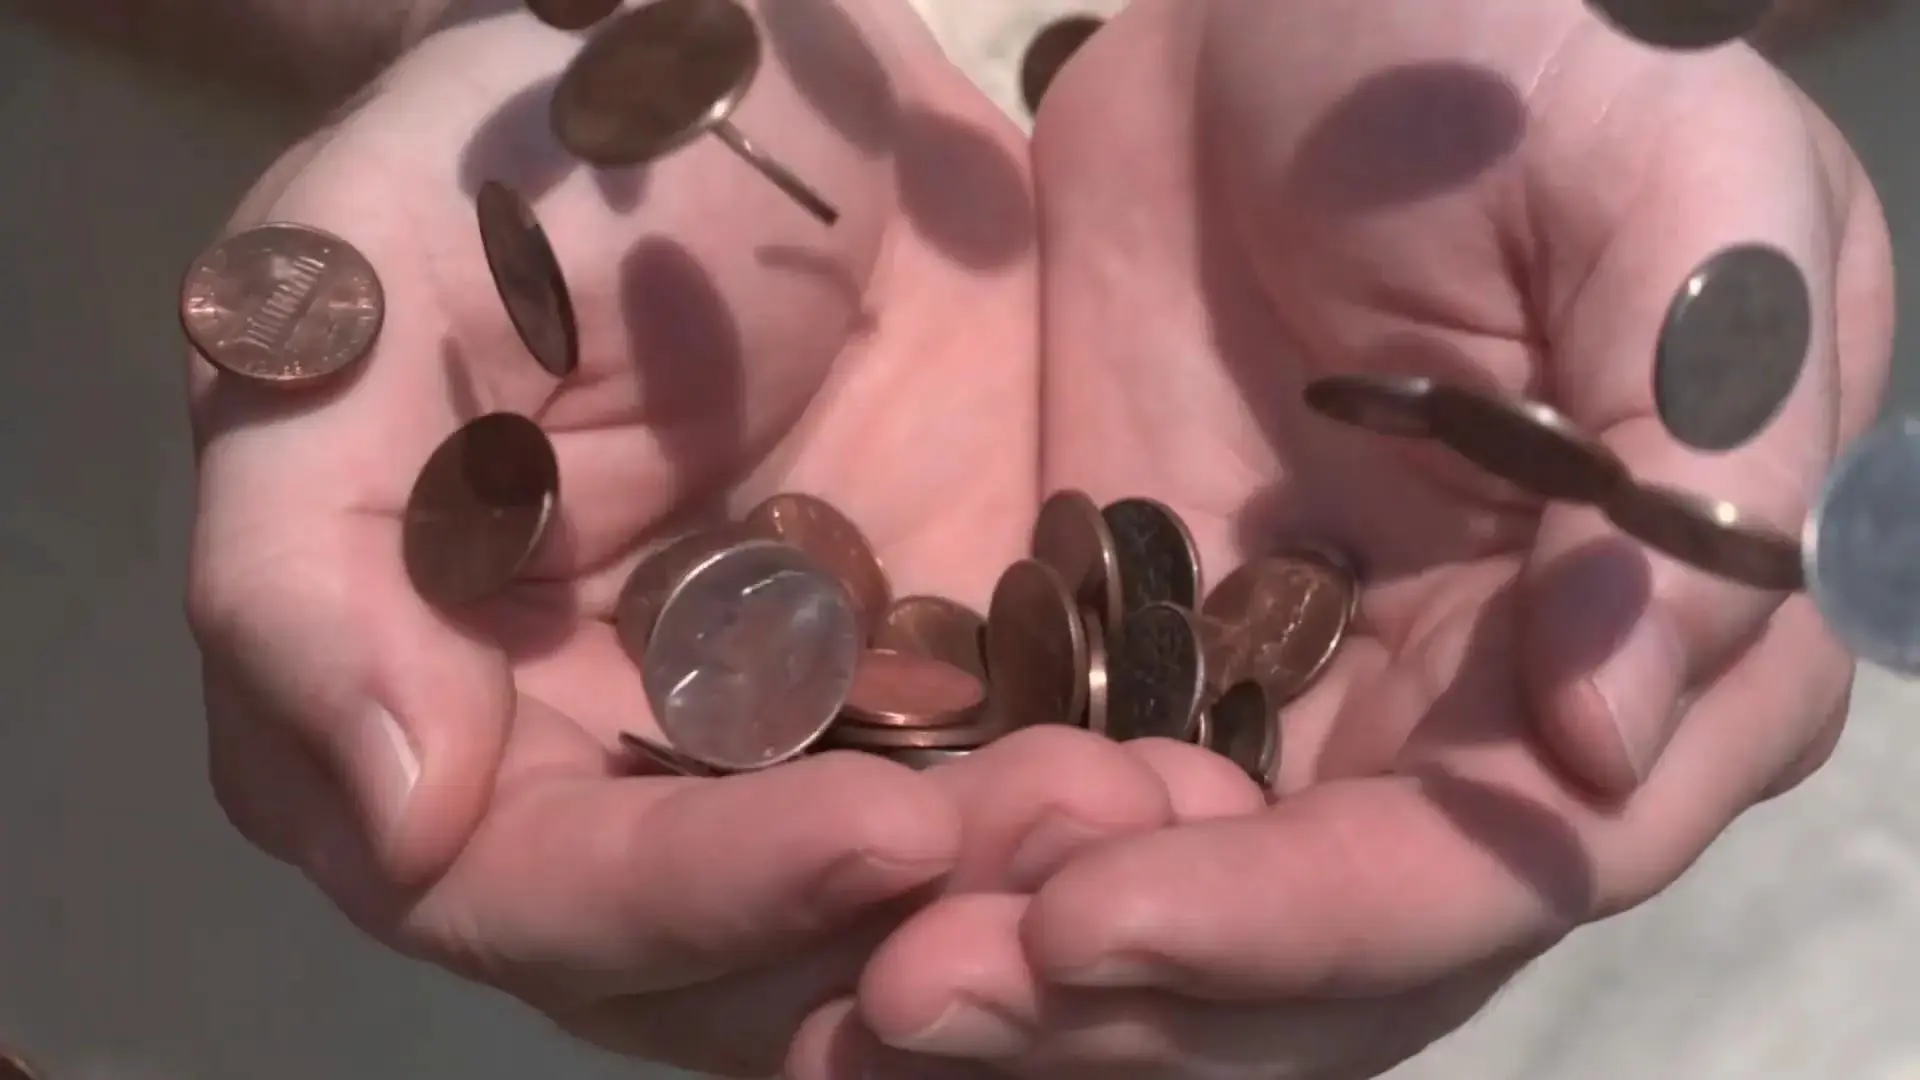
x: 834, y: 69
x: 1534, y: 844
x: 515, y: 145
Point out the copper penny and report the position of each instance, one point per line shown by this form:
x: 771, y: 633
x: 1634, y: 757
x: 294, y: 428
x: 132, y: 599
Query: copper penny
x: 655, y: 578
x: 905, y: 690
x: 981, y: 726
x: 479, y: 509
x: 1158, y: 560
x: 1096, y: 673
x: 816, y: 528
x: 1395, y: 405
x: 1071, y: 535
x: 1709, y: 535
x: 1049, y: 51
x: 927, y: 757
x: 1292, y: 612
x: 1244, y: 727
x: 282, y: 304
x: 1157, y: 682
x: 527, y: 274
x: 937, y: 627
x: 1527, y: 444
x: 662, y: 757
x: 1036, y: 648
x: 572, y: 14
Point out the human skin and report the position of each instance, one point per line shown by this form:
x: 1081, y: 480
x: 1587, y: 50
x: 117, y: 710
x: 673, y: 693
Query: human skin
x: 1535, y: 725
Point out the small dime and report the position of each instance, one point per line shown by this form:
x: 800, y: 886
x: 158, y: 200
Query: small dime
x: 1036, y: 648
x: 1096, y: 673
x: 903, y: 690
x: 1244, y: 728
x: 1863, y: 547
x: 478, y: 509
x: 1158, y: 561
x: 937, y: 627
x: 1708, y: 535
x: 1157, y: 679
x: 572, y: 14
x: 1071, y: 535
x: 654, y: 79
x: 926, y: 757
x: 751, y: 657
x: 836, y: 543
x: 1049, y: 51
x: 1684, y: 24
x: 282, y: 304
x: 1293, y: 611
x: 656, y: 577
x: 1527, y: 444
x: 528, y: 277
x: 1733, y: 346
x: 1394, y: 405
x: 662, y: 757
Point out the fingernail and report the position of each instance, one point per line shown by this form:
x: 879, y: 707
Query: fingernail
x: 1640, y: 684
x: 1047, y: 846
x: 391, y: 766
x: 968, y: 1029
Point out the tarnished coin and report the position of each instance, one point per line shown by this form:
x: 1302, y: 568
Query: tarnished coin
x: 1293, y: 611
x: 1096, y: 673
x: 478, y: 509
x: 815, y: 527
x: 1157, y: 679
x: 1708, y: 535
x: 572, y: 14
x: 1394, y: 405
x: 1527, y: 444
x: 655, y: 578
x: 752, y: 657
x: 904, y: 690
x: 1244, y: 727
x: 528, y: 277
x: 662, y: 757
x: 1684, y: 24
x: 1071, y: 535
x: 1863, y: 547
x: 937, y: 627
x: 1049, y: 51
x: 926, y: 757
x: 1158, y: 560
x: 1036, y: 648
x: 282, y: 304
x: 1733, y: 346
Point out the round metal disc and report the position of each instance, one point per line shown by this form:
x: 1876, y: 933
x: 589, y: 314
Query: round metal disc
x: 1158, y: 560
x: 1036, y: 648
x: 1684, y: 24
x: 1708, y: 535
x: 656, y: 576
x: 528, y: 277
x: 1156, y: 676
x: 752, y: 657
x: 836, y: 543
x: 926, y: 757
x: 572, y: 14
x: 478, y: 509
x: 1733, y: 346
x: 654, y: 79
x: 282, y: 304
x: 904, y: 690
x: 661, y: 757
x: 1049, y: 51
x: 1071, y: 535
x: 1294, y: 612
x: 1244, y: 727
x: 1527, y: 444
x: 937, y: 627
x: 1863, y: 547
x: 1096, y: 673
x: 1395, y: 405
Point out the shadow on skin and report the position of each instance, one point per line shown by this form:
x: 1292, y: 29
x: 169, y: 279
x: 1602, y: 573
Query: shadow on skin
x: 1531, y: 841
x: 515, y: 145
x: 834, y: 69
x: 963, y: 191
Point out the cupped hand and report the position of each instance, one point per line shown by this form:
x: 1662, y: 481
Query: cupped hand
x: 1536, y: 724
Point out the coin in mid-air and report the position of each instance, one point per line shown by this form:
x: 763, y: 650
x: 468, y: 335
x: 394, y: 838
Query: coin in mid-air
x: 527, y: 274
x: 1157, y: 678
x: 1395, y: 405
x: 1049, y: 51
x: 751, y: 657
x: 1709, y: 535
x: 1734, y: 343
x: 904, y: 690
x: 1071, y: 535
x: 1294, y: 611
x: 1525, y: 443
x: 572, y: 14
x: 1244, y: 727
x: 835, y: 542
x: 1684, y: 24
x: 1036, y: 648
x: 478, y: 509
x: 282, y: 304
x: 1157, y: 558
x: 1863, y: 547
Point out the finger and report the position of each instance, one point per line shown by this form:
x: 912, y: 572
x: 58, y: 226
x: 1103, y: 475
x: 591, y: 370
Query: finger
x: 1818, y: 752
x: 834, y: 1045
x: 1201, y: 785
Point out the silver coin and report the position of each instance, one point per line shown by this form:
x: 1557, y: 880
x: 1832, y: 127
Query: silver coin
x: 1862, y: 547
x: 751, y: 657
x: 1733, y: 346
x: 1683, y: 24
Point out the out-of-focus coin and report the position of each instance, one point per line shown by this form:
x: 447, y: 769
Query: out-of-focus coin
x: 752, y: 657
x: 815, y: 527
x: 1293, y: 611
x: 1049, y: 51
x: 1708, y: 535
x: 1158, y: 561
x: 1395, y: 405
x: 282, y: 304
x: 1096, y: 672
x: 478, y: 509
x: 904, y: 690
x: 572, y: 14
x: 980, y: 727
x: 1157, y: 678
x: 927, y: 757
x: 1244, y: 728
x: 1863, y: 547
x: 662, y: 757
x: 1071, y: 535
x: 1733, y: 346
x: 1684, y: 24
x: 1527, y: 444
x: 1036, y: 648
x: 528, y: 277
x: 655, y: 578
x: 937, y: 627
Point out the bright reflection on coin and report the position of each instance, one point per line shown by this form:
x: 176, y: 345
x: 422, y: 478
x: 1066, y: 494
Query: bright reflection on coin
x: 751, y: 658
x: 1862, y: 547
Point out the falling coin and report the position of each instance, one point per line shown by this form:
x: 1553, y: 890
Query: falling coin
x: 528, y: 277
x: 751, y: 657
x: 1733, y: 346
x: 936, y: 627
x: 478, y: 509
x: 1158, y: 561
x: 1526, y: 444
x: 1157, y: 679
x: 285, y: 305
x: 663, y: 757
x: 1036, y: 648
x: 1395, y: 405
x: 1708, y: 535
x: 815, y: 527
x: 1863, y: 547
x: 1293, y: 612
x: 1049, y: 51
x: 1244, y: 728
x: 572, y: 14
x: 1683, y: 24
x: 656, y: 577
x: 901, y: 690
x: 660, y: 76
x: 1096, y: 673
x: 1071, y: 535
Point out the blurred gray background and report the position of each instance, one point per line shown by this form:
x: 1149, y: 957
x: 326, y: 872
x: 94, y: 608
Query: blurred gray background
x: 139, y: 939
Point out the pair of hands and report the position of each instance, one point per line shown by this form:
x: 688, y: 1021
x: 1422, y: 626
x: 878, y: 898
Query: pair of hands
x: 1535, y: 725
